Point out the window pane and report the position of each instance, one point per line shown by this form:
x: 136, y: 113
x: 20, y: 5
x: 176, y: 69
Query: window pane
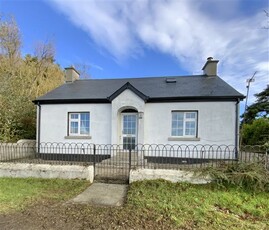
x: 129, y: 124
x: 190, y: 128
x: 84, y: 116
x: 189, y: 132
x: 85, y: 123
x: 132, y: 131
x: 191, y: 115
x: 74, y: 115
x: 74, y: 127
x: 174, y: 124
x: 177, y: 132
x: 177, y: 116
x: 177, y: 123
x: 128, y: 142
x: 84, y: 127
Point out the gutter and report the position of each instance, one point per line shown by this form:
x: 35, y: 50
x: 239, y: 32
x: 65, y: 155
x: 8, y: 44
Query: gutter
x: 39, y: 126
x: 145, y: 98
x: 236, y: 128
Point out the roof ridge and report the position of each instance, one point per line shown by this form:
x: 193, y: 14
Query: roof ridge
x: 146, y: 77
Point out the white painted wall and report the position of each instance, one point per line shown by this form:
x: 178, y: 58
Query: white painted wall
x: 216, y: 122
x: 54, y: 122
x: 25, y: 170
x: 169, y: 175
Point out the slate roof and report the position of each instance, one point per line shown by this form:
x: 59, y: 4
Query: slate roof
x: 150, y: 89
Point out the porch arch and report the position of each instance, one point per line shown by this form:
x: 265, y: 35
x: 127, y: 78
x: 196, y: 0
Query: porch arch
x: 127, y: 100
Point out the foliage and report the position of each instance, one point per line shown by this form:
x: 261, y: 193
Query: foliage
x: 200, y: 206
x: 22, y: 80
x: 16, y: 193
x: 255, y: 133
x: 258, y: 109
x: 248, y: 176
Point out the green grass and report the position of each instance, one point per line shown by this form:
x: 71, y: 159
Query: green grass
x: 17, y: 193
x: 181, y: 205
x: 201, y: 206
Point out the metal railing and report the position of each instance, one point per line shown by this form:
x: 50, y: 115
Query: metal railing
x: 139, y: 156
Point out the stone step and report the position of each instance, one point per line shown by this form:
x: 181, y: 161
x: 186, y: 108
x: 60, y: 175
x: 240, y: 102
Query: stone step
x: 121, y: 159
x: 125, y: 164
x: 115, y: 159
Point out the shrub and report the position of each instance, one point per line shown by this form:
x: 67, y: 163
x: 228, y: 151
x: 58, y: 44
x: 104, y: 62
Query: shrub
x: 256, y: 133
x: 249, y: 176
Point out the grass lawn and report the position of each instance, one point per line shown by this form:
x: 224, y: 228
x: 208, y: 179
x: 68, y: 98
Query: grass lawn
x: 150, y: 205
x: 201, y: 206
x: 16, y: 193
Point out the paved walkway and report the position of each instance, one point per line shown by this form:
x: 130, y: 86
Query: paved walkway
x: 102, y: 194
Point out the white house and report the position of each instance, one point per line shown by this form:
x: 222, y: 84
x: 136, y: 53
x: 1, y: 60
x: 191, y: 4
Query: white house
x: 189, y: 110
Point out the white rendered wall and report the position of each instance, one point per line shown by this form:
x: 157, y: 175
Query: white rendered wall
x: 169, y: 175
x: 54, y: 123
x: 216, y: 122
x: 25, y: 170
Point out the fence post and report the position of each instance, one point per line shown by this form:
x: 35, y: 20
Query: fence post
x: 236, y: 154
x: 94, y: 157
x: 130, y: 158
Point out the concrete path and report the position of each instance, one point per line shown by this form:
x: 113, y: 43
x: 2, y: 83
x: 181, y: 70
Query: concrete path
x: 102, y: 194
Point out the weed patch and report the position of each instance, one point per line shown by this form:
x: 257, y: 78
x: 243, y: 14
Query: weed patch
x: 199, y: 206
x: 248, y: 176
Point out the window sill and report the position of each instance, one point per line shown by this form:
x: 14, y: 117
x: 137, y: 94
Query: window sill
x: 183, y: 138
x: 78, y: 137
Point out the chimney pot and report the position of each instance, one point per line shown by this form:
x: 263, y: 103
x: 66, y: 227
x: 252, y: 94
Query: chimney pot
x: 71, y: 74
x: 210, y: 67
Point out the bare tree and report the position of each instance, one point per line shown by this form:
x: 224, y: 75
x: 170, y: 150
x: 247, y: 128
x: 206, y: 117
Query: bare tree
x: 10, y: 39
x: 84, y: 70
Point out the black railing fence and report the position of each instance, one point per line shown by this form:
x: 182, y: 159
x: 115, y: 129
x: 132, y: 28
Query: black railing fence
x: 139, y: 156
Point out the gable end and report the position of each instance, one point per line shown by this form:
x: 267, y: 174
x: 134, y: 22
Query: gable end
x: 130, y: 87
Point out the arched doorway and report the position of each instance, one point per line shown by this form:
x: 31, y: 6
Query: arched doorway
x: 129, y: 125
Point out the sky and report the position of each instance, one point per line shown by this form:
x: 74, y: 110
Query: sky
x: 142, y: 38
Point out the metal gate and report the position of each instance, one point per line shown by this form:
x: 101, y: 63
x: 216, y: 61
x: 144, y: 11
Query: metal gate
x: 113, y: 163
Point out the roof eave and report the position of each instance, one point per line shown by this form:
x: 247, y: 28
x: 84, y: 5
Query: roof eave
x: 71, y: 101
x: 149, y: 100
x: 196, y: 99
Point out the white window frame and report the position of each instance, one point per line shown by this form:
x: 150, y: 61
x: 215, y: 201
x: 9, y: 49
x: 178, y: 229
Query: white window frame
x: 184, y: 123
x: 79, y: 121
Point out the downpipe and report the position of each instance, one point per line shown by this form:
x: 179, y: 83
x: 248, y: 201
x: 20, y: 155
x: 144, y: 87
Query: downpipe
x: 39, y: 127
x: 237, y: 129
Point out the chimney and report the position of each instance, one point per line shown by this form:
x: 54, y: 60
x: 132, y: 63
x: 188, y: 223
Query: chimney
x: 210, y: 67
x: 71, y: 74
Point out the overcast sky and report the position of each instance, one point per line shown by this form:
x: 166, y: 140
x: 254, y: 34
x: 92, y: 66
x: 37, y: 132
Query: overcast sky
x: 136, y: 38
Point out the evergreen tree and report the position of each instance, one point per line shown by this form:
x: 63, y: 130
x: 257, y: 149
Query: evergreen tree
x: 258, y: 109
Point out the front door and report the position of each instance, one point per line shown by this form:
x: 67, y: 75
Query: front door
x: 129, y: 130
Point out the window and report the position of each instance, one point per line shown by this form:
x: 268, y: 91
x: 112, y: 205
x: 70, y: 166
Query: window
x: 184, y: 124
x: 79, y: 124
